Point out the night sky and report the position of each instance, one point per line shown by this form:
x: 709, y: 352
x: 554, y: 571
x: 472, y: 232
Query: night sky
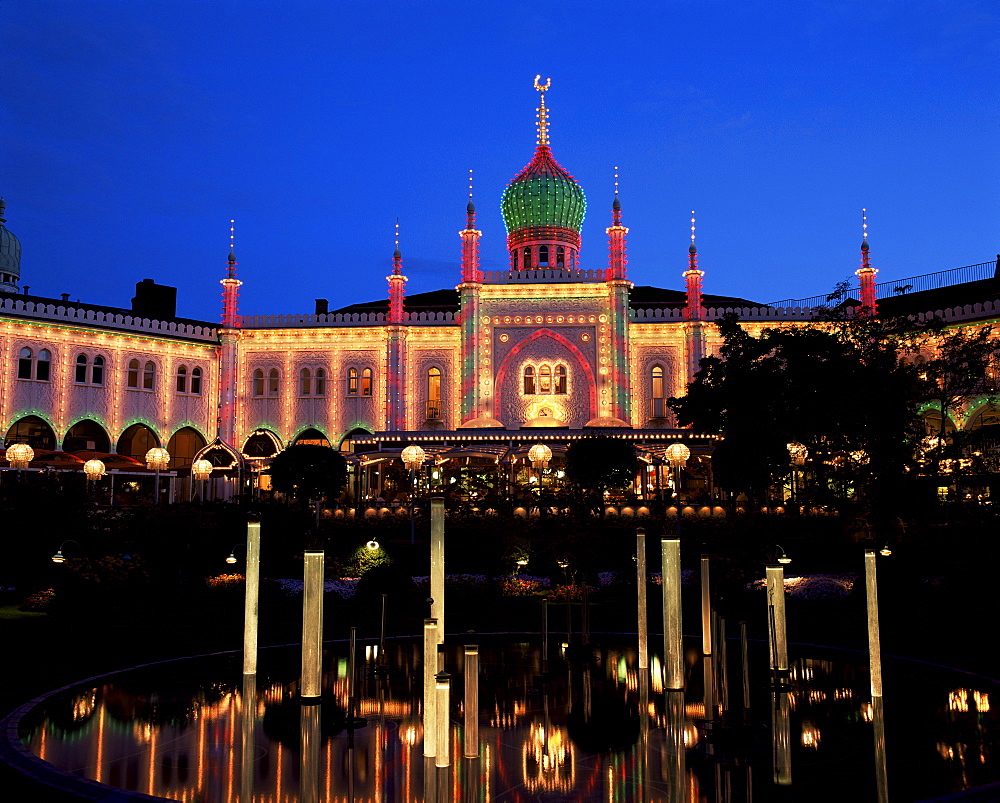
x: 132, y: 131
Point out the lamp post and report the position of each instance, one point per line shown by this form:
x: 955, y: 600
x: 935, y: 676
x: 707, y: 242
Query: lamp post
x: 413, y: 458
x: 94, y: 470
x: 157, y: 459
x: 539, y: 455
x: 59, y: 557
x: 678, y: 454
x: 201, y: 470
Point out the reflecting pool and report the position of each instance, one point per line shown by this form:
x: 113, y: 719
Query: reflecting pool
x: 584, y: 726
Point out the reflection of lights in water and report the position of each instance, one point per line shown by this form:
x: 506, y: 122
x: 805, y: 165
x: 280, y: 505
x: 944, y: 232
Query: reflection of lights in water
x: 817, y: 696
x: 959, y: 700
x: 810, y: 734
x: 695, y: 710
x: 371, y: 652
x: 690, y: 735
x: 867, y: 713
x: 83, y: 705
x: 507, y: 719
x: 548, y: 760
x: 656, y: 667
x: 843, y: 694
x: 410, y: 731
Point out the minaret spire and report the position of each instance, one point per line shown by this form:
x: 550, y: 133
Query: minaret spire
x: 397, y: 284
x: 692, y: 276
x: 231, y: 285
x: 866, y: 273
x: 616, y: 239
x: 543, y: 113
x: 470, y: 241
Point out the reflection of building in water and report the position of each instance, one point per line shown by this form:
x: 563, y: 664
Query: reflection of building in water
x: 548, y: 759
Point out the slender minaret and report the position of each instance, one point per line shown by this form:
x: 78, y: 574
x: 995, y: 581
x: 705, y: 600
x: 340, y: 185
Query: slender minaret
x: 866, y: 273
x: 396, y: 346
x: 694, y: 312
x: 229, y: 341
x: 469, y: 309
x: 618, y: 289
x: 616, y: 239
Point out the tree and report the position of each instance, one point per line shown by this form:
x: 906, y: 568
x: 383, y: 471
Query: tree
x: 843, y: 388
x: 307, y: 471
x: 596, y: 464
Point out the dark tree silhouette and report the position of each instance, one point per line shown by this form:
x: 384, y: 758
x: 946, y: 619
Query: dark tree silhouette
x: 309, y: 472
x: 596, y: 464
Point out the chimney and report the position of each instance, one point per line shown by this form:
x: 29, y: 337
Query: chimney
x: 152, y: 300
x: 322, y: 306
x: 65, y: 296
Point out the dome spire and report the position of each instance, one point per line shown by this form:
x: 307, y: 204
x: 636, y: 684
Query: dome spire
x: 866, y: 273
x: 543, y: 113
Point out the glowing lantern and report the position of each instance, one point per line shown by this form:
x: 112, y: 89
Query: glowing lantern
x: 201, y: 469
x: 678, y: 454
x: 413, y: 457
x: 94, y: 469
x: 19, y: 455
x: 157, y: 458
x: 539, y: 455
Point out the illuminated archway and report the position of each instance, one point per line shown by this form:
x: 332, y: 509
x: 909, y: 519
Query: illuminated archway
x: 33, y: 431
x: 262, y: 444
x: 136, y: 440
x: 578, y: 355
x: 312, y: 437
x: 87, y: 436
x: 183, y: 446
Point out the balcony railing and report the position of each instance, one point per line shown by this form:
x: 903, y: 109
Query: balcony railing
x: 433, y: 411
x: 899, y: 287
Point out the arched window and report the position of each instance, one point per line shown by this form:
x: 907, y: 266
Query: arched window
x: 545, y: 379
x: 182, y: 379
x: 561, y: 379
x: 97, y: 371
x: 543, y: 256
x: 352, y: 381
x: 658, y: 393
x: 514, y: 258
x: 42, y: 365
x: 320, y: 383
x: 529, y: 381
x: 434, y: 394
x: 81, y: 369
x: 24, y: 363
x: 133, y: 374
x: 258, y: 382
x: 527, y: 258
x: 305, y: 382
x: 195, y: 381
x: 366, y: 382
x: 148, y: 375
x: 272, y: 382
x: 560, y: 257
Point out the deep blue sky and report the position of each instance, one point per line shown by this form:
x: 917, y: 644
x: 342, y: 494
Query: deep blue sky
x: 132, y: 131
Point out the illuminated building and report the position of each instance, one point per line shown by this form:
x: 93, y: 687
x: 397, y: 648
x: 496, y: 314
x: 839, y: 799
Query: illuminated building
x: 546, y: 349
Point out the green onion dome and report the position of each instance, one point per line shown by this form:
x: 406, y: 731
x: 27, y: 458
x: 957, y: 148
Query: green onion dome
x: 543, y: 195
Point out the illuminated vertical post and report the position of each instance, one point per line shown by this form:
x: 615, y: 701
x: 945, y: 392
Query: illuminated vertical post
x: 442, y: 728
x: 673, y: 639
x: 430, y: 669
x: 309, y: 751
x: 312, y: 624
x: 777, y: 635
x: 248, y: 722
x: 874, y: 647
x: 641, y: 580
x: 437, y: 564
x: 471, y: 704
x: 251, y: 600
x: 706, y: 608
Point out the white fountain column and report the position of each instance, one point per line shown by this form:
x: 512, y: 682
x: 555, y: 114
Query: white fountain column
x: 312, y: 624
x: 673, y: 639
x: 437, y: 564
x: 251, y: 600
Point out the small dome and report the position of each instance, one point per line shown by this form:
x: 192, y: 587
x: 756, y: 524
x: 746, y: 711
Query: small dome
x: 10, y: 254
x: 543, y: 194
